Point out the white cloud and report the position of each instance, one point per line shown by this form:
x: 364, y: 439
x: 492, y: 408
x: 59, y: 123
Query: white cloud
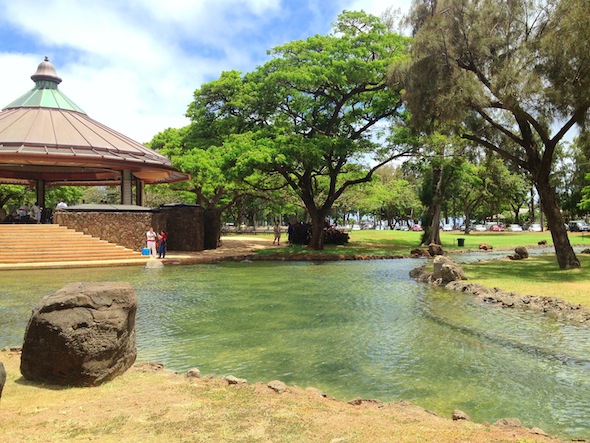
x: 133, y: 65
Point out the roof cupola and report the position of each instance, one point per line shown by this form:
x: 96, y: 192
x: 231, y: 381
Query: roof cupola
x: 46, y: 75
x: 45, y: 94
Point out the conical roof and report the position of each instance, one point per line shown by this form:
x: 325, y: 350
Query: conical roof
x: 45, y: 94
x: 45, y: 136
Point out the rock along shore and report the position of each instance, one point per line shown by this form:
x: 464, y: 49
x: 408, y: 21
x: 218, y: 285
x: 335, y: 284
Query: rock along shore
x: 495, y: 296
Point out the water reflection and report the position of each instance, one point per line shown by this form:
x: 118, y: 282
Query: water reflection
x: 351, y: 329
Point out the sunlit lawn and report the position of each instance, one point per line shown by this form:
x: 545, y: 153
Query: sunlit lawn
x: 387, y: 242
x: 539, y: 275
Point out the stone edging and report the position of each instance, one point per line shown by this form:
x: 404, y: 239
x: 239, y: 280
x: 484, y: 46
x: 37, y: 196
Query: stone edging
x: 548, y: 305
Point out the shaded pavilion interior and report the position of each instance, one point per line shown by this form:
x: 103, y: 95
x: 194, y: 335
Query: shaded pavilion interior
x: 47, y: 140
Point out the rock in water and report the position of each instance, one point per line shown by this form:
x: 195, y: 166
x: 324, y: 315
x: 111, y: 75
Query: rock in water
x: 2, y: 378
x: 82, y: 335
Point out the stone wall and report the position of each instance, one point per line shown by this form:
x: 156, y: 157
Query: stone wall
x: 185, y: 227
x: 183, y: 223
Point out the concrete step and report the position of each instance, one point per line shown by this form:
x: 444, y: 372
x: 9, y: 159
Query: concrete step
x: 49, y: 243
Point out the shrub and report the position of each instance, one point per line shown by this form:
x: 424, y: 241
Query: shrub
x: 301, y: 235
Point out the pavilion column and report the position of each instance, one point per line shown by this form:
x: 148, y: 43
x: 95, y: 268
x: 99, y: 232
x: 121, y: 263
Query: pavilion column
x: 139, y: 192
x: 126, y: 188
x: 40, y: 185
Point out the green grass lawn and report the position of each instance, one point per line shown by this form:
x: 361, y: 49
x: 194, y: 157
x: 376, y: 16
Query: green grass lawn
x: 387, y: 242
x: 538, y: 275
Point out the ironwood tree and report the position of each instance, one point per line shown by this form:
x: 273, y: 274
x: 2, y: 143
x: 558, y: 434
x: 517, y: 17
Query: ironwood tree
x: 511, y: 76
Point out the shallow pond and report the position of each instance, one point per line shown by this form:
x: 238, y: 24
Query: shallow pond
x: 353, y: 329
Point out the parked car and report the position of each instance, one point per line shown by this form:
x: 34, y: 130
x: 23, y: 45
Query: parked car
x: 480, y: 228
x: 404, y: 228
x: 497, y: 228
x: 514, y: 228
x: 535, y: 227
x: 417, y: 228
x: 447, y: 228
x: 578, y: 226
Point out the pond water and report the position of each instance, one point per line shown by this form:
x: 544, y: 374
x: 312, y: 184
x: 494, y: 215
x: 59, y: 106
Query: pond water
x: 352, y: 329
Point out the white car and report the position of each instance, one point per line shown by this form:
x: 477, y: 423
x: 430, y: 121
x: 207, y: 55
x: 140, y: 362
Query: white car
x: 515, y: 228
x: 447, y: 228
x: 535, y: 227
x: 480, y: 228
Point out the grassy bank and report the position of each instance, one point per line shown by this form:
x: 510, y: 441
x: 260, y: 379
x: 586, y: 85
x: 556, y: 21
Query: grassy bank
x: 152, y: 407
x: 539, y: 275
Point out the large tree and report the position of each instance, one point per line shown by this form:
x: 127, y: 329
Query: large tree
x: 321, y: 107
x: 513, y: 76
x: 213, y: 183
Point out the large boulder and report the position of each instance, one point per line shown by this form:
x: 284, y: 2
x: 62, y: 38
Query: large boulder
x: 522, y: 251
x: 446, y: 270
x: 434, y: 249
x: 82, y: 335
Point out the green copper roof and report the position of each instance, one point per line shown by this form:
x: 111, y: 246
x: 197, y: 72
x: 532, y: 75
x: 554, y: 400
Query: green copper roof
x: 45, y: 93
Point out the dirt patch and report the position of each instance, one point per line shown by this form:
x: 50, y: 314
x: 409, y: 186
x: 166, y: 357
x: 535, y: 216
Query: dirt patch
x: 234, y: 248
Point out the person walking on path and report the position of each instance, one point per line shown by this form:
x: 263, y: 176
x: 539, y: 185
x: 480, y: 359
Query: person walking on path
x: 151, y: 241
x: 162, y: 244
x: 277, y: 232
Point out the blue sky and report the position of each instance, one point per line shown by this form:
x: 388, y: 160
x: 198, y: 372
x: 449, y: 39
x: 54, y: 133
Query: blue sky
x: 133, y: 65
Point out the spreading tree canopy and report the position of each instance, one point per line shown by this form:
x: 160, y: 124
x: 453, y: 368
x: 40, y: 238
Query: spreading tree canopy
x: 318, y: 113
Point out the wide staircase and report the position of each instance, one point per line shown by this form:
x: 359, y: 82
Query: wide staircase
x: 29, y: 246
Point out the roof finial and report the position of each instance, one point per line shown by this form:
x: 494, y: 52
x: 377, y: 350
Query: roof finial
x: 46, y: 73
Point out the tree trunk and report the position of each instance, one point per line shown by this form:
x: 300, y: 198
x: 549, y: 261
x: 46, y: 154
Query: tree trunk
x: 566, y: 258
x: 532, y: 205
x: 516, y: 210
x: 467, y: 222
x: 318, y: 222
x: 432, y: 229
